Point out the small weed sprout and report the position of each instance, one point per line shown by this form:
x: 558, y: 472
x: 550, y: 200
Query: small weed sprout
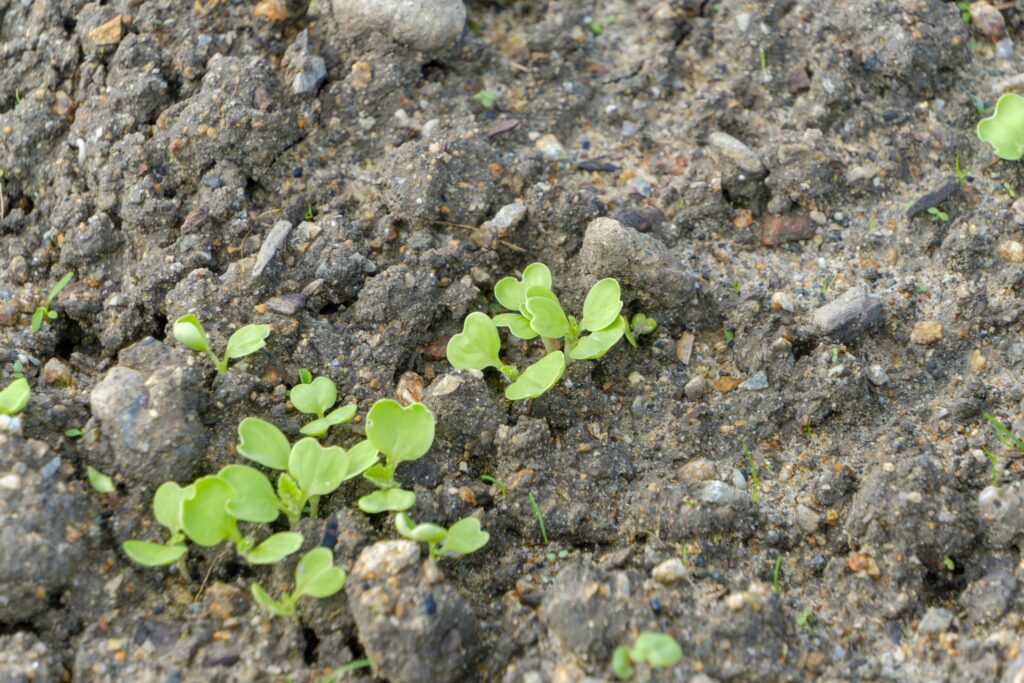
x: 937, y: 214
x: 533, y: 310
x: 99, y: 481
x: 316, y: 397
x: 540, y: 518
x: 486, y: 98
x: 400, y: 434
x: 14, y: 397
x: 949, y: 563
x: 307, y: 471
x: 1006, y: 437
x: 653, y: 649
x: 962, y: 174
x: 1004, y: 130
x: 755, y: 481
x: 245, y: 340
x: 965, y: 12
x: 43, y: 313
x: 497, y: 483
x: 315, y: 576
x: 803, y: 620
x: 775, y: 574
x: 994, y: 462
x: 462, y: 538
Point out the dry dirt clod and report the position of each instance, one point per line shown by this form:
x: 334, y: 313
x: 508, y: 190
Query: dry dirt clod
x: 926, y: 332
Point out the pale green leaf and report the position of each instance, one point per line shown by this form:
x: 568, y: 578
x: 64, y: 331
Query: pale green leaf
x: 656, y: 649
x: 318, y: 470
x: 517, y: 324
x: 167, y: 504
x: 264, y: 443
x: 255, y: 500
x: 537, y: 378
x: 189, y: 331
x: 59, y: 287
x: 314, y: 398
x: 273, y: 606
x: 153, y: 554
x: 400, y: 433
x: 477, y: 346
x: 465, y: 537
x: 387, y: 500
x: 37, y: 319
x: 101, y: 482
x: 246, y: 340
x: 1004, y: 130
x: 602, y: 305
x: 204, y: 517
x: 337, y: 416
x: 316, y: 575
x: 15, y: 397
x: 275, y: 548
x: 598, y: 343
x: 421, y: 533
x: 547, y: 317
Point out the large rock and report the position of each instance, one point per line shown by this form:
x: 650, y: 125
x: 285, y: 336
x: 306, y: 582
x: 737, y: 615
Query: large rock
x: 428, y: 25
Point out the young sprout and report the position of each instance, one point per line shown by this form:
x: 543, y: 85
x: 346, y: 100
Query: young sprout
x: 401, y: 434
x: 316, y: 397
x: 657, y: 650
x: 755, y: 481
x: 540, y: 518
x: 1004, y: 130
x: 486, y: 98
x: 534, y: 311
x: 315, y: 576
x: 1006, y: 437
x: 14, y: 397
x: 167, y: 509
x: 803, y: 620
x: 993, y: 460
x: 307, y: 471
x: 245, y: 340
x: 462, y: 538
x: 937, y: 214
x: 99, y: 481
x: 775, y: 574
x: 43, y: 313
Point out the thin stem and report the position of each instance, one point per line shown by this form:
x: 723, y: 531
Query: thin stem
x: 216, y: 361
x: 183, y: 568
x: 550, y: 345
x: 314, y: 503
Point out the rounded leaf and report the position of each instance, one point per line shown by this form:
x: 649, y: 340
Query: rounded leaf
x: 602, y: 305
x: 643, y: 324
x: 362, y: 457
x: 318, y: 470
x: 1004, y: 130
x: 316, y: 575
x: 547, y: 317
x: 465, y: 537
x: 275, y: 548
x: 204, y: 517
x: 517, y: 324
x: 255, y: 499
x: 622, y: 667
x: 153, y: 554
x: 264, y: 443
x: 314, y: 398
x: 101, y: 482
x: 337, y: 416
x: 15, y: 396
x: 387, y: 500
x: 246, y: 340
x: 188, y: 330
x: 510, y: 293
x: 167, y: 504
x: 656, y: 649
x: 477, y: 346
x: 598, y: 343
x: 536, y: 275
x: 400, y: 433
x: 421, y: 533
x: 537, y: 378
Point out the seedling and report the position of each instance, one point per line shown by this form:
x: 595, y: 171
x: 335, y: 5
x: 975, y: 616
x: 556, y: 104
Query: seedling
x: 310, y: 213
x: 949, y: 563
x: 938, y: 215
x: 965, y: 12
x: 775, y: 574
x: 1009, y: 189
x: 656, y: 650
x: 307, y: 471
x: 337, y: 673
x: 486, y: 98
x: 540, y: 518
x: 595, y: 27
x: 803, y: 620
x: 532, y: 311
x: 14, y: 397
x: 73, y: 433
x: 962, y: 174
x: 43, y: 313
x: 763, y: 58
x: 1006, y: 437
x: 755, y: 481
x: 167, y: 503
x: 245, y: 340
x: 994, y: 462
x: 498, y: 483
x: 401, y: 434
x: 462, y: 538
x: 316, y: 397
x: 1004, y: 130
x: 99, y: 481
x: 315, y: 576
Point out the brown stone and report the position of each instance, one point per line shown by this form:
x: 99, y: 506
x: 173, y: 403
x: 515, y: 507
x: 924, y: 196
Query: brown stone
x: 111, y: 32
x: 409, y: 389
x: 56, y: 372
x: 438, y: 348
x: 362, y: 75
x: 1012, y: 251
x: 926, y: 332
x: 778, y: 230
x: 798, y: 80
x: 274, y: 10
x: 725, y: 384
x: 988, y: 20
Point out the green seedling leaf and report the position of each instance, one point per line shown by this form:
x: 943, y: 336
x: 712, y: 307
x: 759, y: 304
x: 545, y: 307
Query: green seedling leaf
x: 316, y: 575
x: 517, y: 324
x: 622, y: 667
x: 318, y: 470
x: 288, y: 490
x: 465, y: 537
x: 380, y: 476
x: 279, y: 608
x: 537, y: 378
x: 73, y: 433
x: 598, y: 343
x: 656, y: 649
x: 153, y: 554
x: 387, y: 500
x: 337, y: 416
x: 275, y: 548
x: 264, y: 443
x: 477, y: 346
x: 37, y: 319
x: 51, y: 315
x: 255, y: 500
x: 602, y: 305
x: 512, y: 293
x: 204, y: 517
x: 400, y: 433
x: 168, y: 502
x: 15, y: 396
x: 314, y: 398
x: 641, y: 324
x: 101, y: 482
x: 362, y: 457
x: 1004, y: 130
x: 246, y: 340
x: 305, y: 376
x: 57, y: 288
x: 547, y: 317
x: 421, y: 533
x: 188, y: 330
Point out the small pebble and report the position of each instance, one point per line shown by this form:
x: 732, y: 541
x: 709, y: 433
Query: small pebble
x: 551, y: 148
x: 782, y: 302
x: 1012, y: 251
x: 876, y: 375
x: 757, y: 382
x: 670, y: 571
x: 926, y: 332
x: 935, y: 620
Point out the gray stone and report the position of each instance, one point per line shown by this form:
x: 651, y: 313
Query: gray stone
x: 756, y: 382
x: 735, y: 152
x: 24, y: 658
x: 807, y: 519
x: 271, y: 244
x: 695, y: 388
x: 876, y: 375
x: 846, y: 318
x: 935, y: 620
x: 587, y: 612
x: 718, y: 492
x: 467, y: 411
x: 428, y: 25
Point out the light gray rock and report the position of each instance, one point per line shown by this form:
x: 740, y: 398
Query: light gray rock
x: 306, y: 69
x: 846, y: 318
x: 731, y: 150
x: 757, y: 382
x: 935, y: 620
x: 428, y: 25
x: 271, y: 244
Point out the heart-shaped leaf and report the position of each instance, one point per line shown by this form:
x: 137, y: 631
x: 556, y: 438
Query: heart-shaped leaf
x: 314, y: 398
x: 153, y: 554
x: 642, y: 324
x: 264, y: 443
x: 167, y: 504
x: 189, y: 331
x: 477, y: 346
x: 275, y: 548
x: 537, y: 378
x: 400, y: 433
x: 316, y: 575
x: 602, y: 305
x: 387, y: 500
x: 318, y: 470
x: 204, y: 517
x: 465, y: 537
x: 656, y: 649
x: 14, y: 397
x: 337, y: 416
x: 598, y: 343
x: 517, y: 324
x: 246, y: 340
x: 547, y: 317
x: 1004, y: 130
x: 512, y: 293
x: 255, y: 500
x: 421, y: 533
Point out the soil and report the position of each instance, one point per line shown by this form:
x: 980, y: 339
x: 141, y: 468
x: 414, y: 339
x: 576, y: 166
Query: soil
x: 790, y: 476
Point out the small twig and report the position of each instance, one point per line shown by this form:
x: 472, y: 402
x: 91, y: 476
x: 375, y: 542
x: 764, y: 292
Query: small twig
x: 513, y: 247
x: 209, y: 571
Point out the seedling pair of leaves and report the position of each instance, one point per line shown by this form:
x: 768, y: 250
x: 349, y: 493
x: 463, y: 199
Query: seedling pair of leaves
x: 43, y: 314
x: 307, y: 471
x: 462, y: 538
x: 207, y: 513
x: 245, y: 340
x: 315, y: 576
x: 14, y: 397
x: 316, y: 397
x: 1004, y: 130
x: 535, y: 311
x: 401, y: 434
x: 653, y: 649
